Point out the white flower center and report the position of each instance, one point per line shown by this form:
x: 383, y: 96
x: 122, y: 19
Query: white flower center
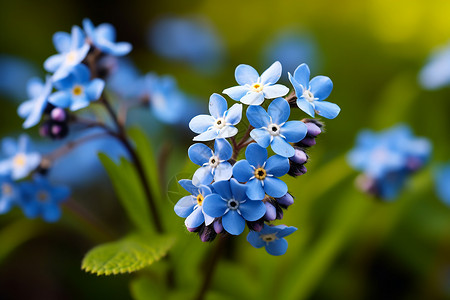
x: 233, y: 204
x: 19, y: 160
x: 71, y: 56
x: 214, y: 161
x: 257, y: 87
x: 309, y: 96
x: 220, y: 123
x: 7, y: 189
x: 273, y: 129
x: 269, y: 237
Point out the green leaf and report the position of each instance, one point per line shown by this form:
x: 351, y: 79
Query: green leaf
x: 127, y: 255
x: 129, y: 190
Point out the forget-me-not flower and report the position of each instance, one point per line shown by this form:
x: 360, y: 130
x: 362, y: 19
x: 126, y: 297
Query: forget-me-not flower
x: 39, y: 197
x: 72, y: 49
x: 104, y: 38
x: 260, y: 173
x: 272, y: 238
x: 442, y: 183
x: 220, y: 124
x: 230, y: 202
x: 9, y: 193
x: 19, y: 161
x: 32, y: 110
x: 191, y: 207
x: 253, y: 89
x: 76, y: 91
x: 214, y: 164
x: 272, y: 127
x: 310, y: 94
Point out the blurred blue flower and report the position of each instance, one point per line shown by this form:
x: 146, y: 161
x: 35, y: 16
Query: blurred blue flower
x: 9, y: 193
x: 252, y: 88
x: 214, y: 165
x: 14, y: 74
x: 230, y: 202
x: 272, y: 127
x: 442, y: 182
x: 436, y: 73
x: 220, y: 124
x: 76, y: 91
x: 124, y: 78
x: 32, y: 109
x: 191, y: 207
x: 272, y: 238
x: 260, y: 173
x: 40, y: 198
x: 104, y: 38
x: 72, y: 49
x: 18, y: 161
x: 310, y: 94
x: 189, y: 40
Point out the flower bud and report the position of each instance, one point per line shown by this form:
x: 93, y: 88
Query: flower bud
x: 207, y: 234
x: 58, y: 114
x: 307, y: 142
x: 271, y: 212
x: 299, y: 157
x: 256, y: 225
x: 313, y: 129
x: 44, y: 130
x: 217, y: 224
x: 286, y: 200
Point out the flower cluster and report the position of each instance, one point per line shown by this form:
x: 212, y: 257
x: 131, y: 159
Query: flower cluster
x: 226, y: 194
x: 387, y: 159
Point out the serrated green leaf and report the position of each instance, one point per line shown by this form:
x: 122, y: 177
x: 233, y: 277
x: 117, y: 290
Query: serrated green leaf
x: 127, y: 255
x: 129, y: 190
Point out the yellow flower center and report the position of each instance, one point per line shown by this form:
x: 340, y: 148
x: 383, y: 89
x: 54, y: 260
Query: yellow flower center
x: 200, y: 199
x: 77, y: 90
x: 19, y: 160
x: 71, y: 56
x: 257, y: 87
x: 7, y: 189
x: 269, y: 237
x: 260, y: 173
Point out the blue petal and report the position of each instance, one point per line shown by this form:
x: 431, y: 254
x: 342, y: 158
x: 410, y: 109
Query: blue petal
x: 286, y: 231
x: 25, y: 108
x: 188, y: 186
x: 261, y: 136
x: 206, y: 136
x: 61, y: 99
x: 9, y: 146
x: 233, y: 223
x: 256, y: 155
x: 195, y: 219
x: 281, y: 147
x: 202, y: 175
x: 106, y: 31
x: 253, y: 98
x: 279, y: 110
x: 277, y: 247
x: 236, y: 92
x: 201, y: 123
x: 52, y: 63
x: 275, y: 187
x: 51, y: 213
x: 274, y: 91
x: 94, y: 89
x: 199, y: 154
x: 226, y: 132
x: 242, y: 171
x: 223, y: 189
x: 77, y: 38
x: 272, y: 74
x: 255, y: 190
x: 327, y: 109
x: 223, y: 149
x: 238, y: 190
x: 302, y: 74
x: 252, y: 210
x: 277, y: 165
x: 35, y: 87
x: 79, y: 103
x: 321, y: 87
x: 217, y: 105
x: 305, y: 105
x: 294, y: 131
x: 255, y: 240
x: 81, y: 73
x: 257, y: 116
x: 88, y: 27
x: 62, y: 41
x: 246, y: 74
x: 214, y: 206
x: 234, y: 114
x: 223, y: 171
x: 116, y: 49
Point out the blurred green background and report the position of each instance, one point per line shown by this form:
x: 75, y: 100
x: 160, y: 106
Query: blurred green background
x: 348, y: 246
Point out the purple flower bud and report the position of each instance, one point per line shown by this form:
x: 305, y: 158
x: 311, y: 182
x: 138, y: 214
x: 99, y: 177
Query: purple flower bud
x: 207, y: 234
x: 308, y: 141
x: 256, y: 225
x: 313, y: 129
x: 279, y: 214
x: 286, y: 200
x: 299, y: 157
x: 56, y: 130
x: 192, y: 229
x: 44, y: 130
x: 218, y: 228
x: 271, y: 212
x: 58, y: 114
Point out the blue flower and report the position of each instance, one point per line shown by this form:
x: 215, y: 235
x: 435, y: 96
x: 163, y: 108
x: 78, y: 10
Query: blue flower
x: 124, y: 78
x: 272, y: 238
x: 442, y: 182
x: 310, y: 94
x: 72, y: 50
x: 232, y: 204
x: 32, y: 109
x: 104, y: 38
x: 40, y: 198
x: 272, y: 128
x: 220, y: 124
x: 19, y: 162
x: 9, y: 193
x: 436, y: 73
x: 214, y: 165
x: 76, y: 91
x: 260, y: 173
x: 252, y: 88
x: 191, y: 207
